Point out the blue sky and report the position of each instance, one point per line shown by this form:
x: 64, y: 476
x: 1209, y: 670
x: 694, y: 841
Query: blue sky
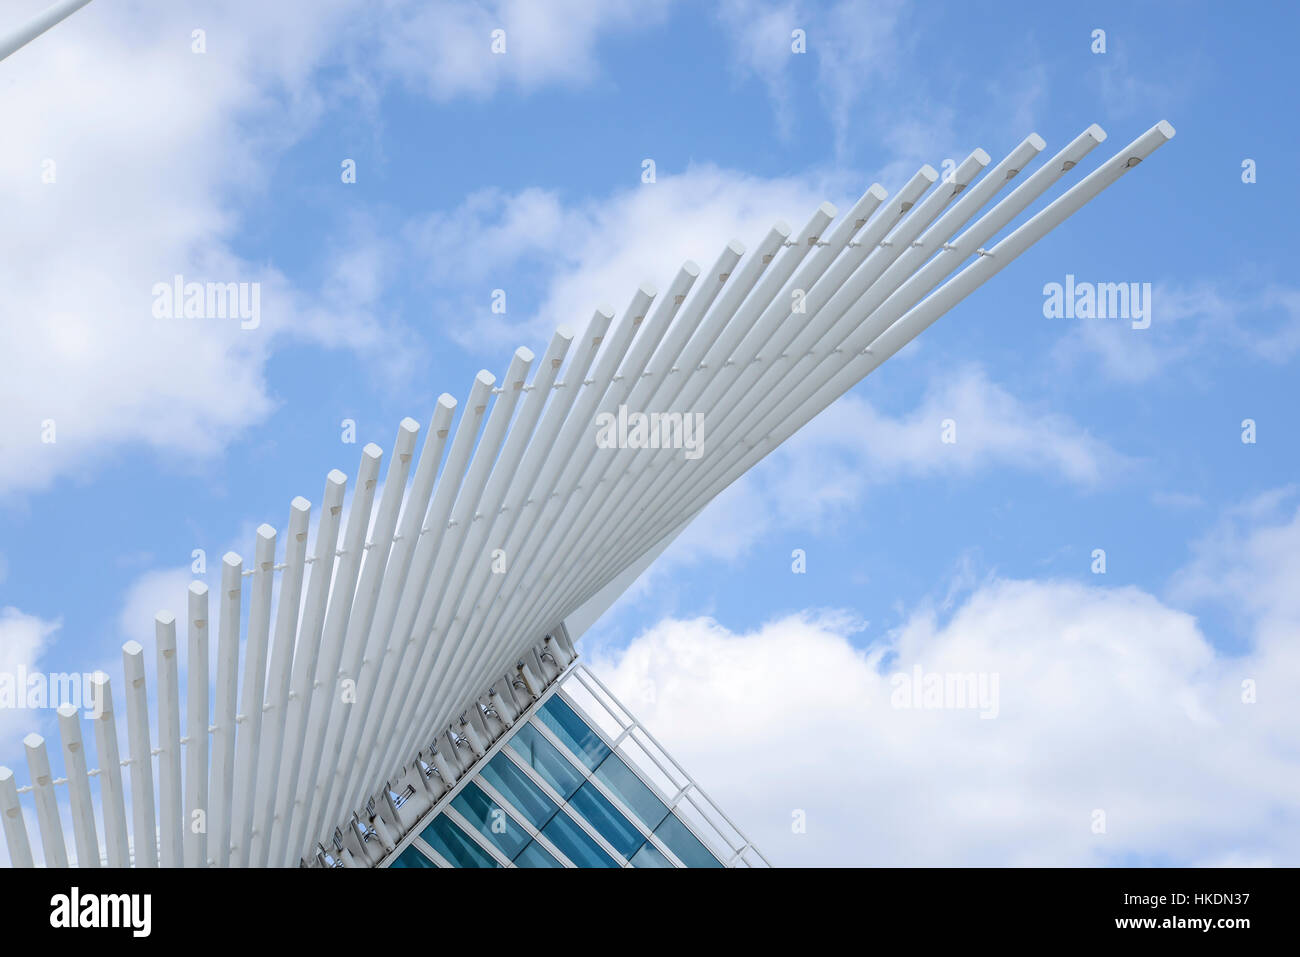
x: 522, y: 172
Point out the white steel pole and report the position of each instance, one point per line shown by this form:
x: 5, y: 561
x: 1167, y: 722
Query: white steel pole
x: 222, y: 782
x: 83, y: 807
x: 401, y: 647
x: 771, y: 386
x: 11, y: 813
x: 306, y: 654
x: 33, y: 28
x: 608, y: 362
x: 868, y: 347
x: 170, y: 816
x: 253, y: 693
x: 197, y: 719
x: 47, y: 805
x: 379, y: 640
x: 451, y: 551
x: 342, y: 595
x: 277, y: 692
x: 111, y: 794
x: 363, y: 614
x: 137, y: 723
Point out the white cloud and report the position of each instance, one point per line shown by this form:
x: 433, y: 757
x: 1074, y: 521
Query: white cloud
x: 158, y: 152
x: 833, y: 462
x: 593, y: 252
x: 23, y: 638
x: 1109, y: 699
x: 1199, y: 319
x: 855, y: 46
x: 444, y: 49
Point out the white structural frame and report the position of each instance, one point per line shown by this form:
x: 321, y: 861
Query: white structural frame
x: 362, y: 694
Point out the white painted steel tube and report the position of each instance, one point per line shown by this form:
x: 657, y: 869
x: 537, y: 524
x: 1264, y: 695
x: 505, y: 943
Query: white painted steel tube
x: 856, y: 364
x: 197, y: 718
x: 325, y: 697
x: 463, y: 515
x: 289, y: 605
x: 169, y: 742
x: 378, y: 659
x: 33, y: 28
x: 83, y: 807
x: 253, y: 692
x: 401, y: 652
x: 305, y: 656
x: 15, y: 827
x: 736, y: 424
x: 221, y: 783
x: 112, y: 797
x: 47, y: 803
x: 363, y: 613
x: 144, y: 837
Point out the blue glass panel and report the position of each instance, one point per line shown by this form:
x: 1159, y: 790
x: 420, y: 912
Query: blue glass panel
x: 534, y: 855
x: 605, y: 818
x: 491, y: 820
x: 455, y: 845
x: 519, y: 790
x: 575, y: 843
x: 411, y: 857
x: 544, y: 758
x: 650, y: 856
x: 573, y: 732
x: 684, y: 844
x: 632, y: 791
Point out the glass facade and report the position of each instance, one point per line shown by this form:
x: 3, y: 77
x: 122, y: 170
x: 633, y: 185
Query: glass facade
x: 557, y: 794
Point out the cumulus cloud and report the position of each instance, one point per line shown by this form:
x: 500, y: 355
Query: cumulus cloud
x: 833, y: 461
x: 119, y: 174
x: 583, y: 254
x: 1109, y: 700
x: 1203, y: 320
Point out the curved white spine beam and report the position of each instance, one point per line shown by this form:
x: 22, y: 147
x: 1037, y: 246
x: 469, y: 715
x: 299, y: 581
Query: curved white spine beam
x: 738, y: 421
x: 47, y: 805
x: 196, y: 727
x: 289, y: 605
x: 742, y: 288
x: 855, y: 273
x: 706, y: 351
x: 421, y: 620
x: 891, y: 329
x: 253, y: 691
x: 305, y: 656
x: 326, y: 696
x: 111, y: 795
x: 169, y: 741
x: 83, y: 807
x: 779, y: 374
x: 838, y: 266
